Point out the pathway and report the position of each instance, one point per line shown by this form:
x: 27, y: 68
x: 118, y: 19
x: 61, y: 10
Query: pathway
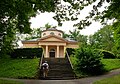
x: 88, y: 80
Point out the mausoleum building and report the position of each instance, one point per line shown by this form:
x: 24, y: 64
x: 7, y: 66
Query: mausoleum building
x: 52, y: 42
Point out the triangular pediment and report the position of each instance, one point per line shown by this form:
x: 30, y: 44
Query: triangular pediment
x: 53, y: 38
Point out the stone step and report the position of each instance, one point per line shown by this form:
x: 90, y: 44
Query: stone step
x: 59, y: 68
x: 57, y: 78
x: 67, y: 66
x: 56, y: 60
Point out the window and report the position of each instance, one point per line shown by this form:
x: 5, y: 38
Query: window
x: 44, y: 34
x: 59, y: 34
x: 52, y: 33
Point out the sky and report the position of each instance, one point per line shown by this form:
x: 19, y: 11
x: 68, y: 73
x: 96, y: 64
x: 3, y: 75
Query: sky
x: 43, y: 18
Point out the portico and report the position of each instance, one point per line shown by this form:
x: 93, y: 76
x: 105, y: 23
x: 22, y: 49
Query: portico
x: 54, y: 51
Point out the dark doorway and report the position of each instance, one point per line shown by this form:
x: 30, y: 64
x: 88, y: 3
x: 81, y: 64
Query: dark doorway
x: 52, y: 53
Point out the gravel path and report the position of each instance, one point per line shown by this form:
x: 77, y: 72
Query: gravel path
x: 88, y: 80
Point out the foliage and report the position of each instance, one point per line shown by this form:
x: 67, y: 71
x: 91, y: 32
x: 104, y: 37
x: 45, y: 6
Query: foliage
x: 18, y: 68
x: 103, y: 39
x: 15, y: 16
x: 65, y: 35
x: 47, y: 26
x: 110, y: 80
x: 36, y: 33
x: 26, y: 53
x: 3, y: 81
x: 108, y: 54
x: 74, y: 35
x: 88, y: 61
x: 111, y: 64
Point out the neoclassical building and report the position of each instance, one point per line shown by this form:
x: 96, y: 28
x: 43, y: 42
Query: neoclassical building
x: 52, y: 42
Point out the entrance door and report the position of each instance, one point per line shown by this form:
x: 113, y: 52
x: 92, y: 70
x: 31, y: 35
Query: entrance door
x: 52, y: 52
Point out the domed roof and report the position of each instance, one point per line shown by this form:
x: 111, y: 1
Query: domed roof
x: 52, y: 29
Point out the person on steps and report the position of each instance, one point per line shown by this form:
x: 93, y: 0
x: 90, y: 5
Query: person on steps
x: 45, y: 68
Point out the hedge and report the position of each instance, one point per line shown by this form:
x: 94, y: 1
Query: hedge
x: 26, y: 53
x: 107, y: 54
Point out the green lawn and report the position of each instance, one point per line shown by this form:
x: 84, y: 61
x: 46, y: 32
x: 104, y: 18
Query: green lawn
x: 111, y: 64
x: 18, y: 68
x: 9, y: 82
x: 111, y: 80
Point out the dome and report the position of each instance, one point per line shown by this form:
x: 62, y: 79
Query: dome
x: 52, y: 31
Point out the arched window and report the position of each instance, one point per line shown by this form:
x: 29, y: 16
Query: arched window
x: 59, y: 34
x: 44, y: 34
x: 52, y: 33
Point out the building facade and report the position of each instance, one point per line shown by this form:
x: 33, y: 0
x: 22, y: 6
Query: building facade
x: 52, y: 42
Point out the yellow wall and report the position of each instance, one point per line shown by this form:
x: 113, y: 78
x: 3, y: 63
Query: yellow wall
x: 51, y: 43
x: 71, y: 45
x: 30, y: 45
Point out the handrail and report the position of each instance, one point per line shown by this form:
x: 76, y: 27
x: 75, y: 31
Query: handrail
x: 40, y: 63
x: 69, y: 59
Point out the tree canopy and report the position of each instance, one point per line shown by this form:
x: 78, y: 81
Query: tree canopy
x: 15, y: 15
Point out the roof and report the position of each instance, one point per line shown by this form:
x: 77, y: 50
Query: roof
x: 31, y: 40
x: 68, y: 40
x: 52, y: 29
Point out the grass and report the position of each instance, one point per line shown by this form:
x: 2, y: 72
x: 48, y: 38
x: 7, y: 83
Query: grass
x: 18, y: 68
x: 9, y: 82
x: 111, y: 80
x: 111, y: 64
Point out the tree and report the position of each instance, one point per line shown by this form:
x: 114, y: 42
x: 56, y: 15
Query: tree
x: 47, y: 26
x: 83, y: 39
x: 15, y: 15
x: 36, y: 33
x: 74, y: 34
x: 103, y: 38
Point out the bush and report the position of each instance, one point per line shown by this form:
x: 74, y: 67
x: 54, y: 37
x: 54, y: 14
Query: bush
x: 108, y: 54
x: 26, y: 53
x: 88, y: 61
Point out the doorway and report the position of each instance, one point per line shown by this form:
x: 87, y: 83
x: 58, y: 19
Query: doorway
x: 52, y: 53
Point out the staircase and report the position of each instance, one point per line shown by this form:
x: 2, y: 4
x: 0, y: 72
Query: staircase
x: 59, y: 68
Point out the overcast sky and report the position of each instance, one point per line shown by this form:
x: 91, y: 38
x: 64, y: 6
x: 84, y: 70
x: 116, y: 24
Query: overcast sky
x: 44, y: 18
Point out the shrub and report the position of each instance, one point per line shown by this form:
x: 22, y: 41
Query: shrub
x: 108, y: 54
x: 88, y: 61
x: 26, y: 53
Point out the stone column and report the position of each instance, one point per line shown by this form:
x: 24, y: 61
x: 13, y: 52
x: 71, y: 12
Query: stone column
x: 64, y: 51
x: 57, y: 51
x: 46, y: 52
